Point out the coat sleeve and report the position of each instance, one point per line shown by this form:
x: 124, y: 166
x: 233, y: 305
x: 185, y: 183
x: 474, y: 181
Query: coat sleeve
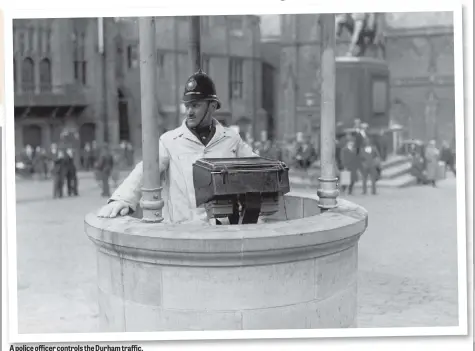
x: 244, y: 150
x: 130, y: 191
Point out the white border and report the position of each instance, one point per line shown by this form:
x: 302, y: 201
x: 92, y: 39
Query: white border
x: 231, y: 8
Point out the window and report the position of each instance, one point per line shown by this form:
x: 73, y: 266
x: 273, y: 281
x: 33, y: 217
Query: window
x: 31, y: 39
x: 28, y: 75
x: 235, y: 78
x: 40, y: 40
x: 80, y: 74
x: 48, y: 40
x: 45, y: 75
x: 84, y: 72
x: 80, y: 64
x: 132, y: 56
x: 205, y: 64
x: 21, y: 42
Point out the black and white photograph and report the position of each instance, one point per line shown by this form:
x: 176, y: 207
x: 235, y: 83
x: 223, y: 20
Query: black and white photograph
x: 295, y: 172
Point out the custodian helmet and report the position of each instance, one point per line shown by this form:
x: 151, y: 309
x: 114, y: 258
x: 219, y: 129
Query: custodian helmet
x: 200, y: 87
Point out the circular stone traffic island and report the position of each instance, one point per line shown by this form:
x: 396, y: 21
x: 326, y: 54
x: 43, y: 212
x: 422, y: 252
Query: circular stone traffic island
x: 298, y: 270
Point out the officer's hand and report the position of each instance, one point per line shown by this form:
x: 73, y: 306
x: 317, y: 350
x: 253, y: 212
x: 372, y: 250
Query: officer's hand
x: 113, y: 209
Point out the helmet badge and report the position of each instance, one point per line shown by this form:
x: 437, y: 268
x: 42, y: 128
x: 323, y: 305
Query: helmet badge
x: 191, y: 85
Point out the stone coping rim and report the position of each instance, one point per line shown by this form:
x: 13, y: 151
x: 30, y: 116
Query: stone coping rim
x: 122, y: 234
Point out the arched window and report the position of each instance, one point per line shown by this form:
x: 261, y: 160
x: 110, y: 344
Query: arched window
x: 45, y: 75
x: 28, y: 75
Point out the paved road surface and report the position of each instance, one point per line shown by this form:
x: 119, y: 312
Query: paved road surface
x: 407, y: 259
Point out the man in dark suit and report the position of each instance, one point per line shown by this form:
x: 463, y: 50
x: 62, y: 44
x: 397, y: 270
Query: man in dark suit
x: 350, y: 162
x: 104, y: 166
x: 71, y: 173
x: 370, y: 163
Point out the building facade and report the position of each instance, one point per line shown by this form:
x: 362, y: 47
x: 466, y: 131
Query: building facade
x: 60, y: 74
x: 56, y: 66
x: 419, y: 53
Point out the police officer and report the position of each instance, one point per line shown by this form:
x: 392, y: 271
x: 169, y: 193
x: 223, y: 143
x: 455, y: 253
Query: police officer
x: 199, y: 136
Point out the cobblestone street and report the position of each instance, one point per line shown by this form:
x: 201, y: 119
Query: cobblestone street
x: 407, y: 259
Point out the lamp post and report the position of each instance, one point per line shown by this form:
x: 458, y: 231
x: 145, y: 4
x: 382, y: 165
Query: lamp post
x: 151, y: 201
x: 327, y: 191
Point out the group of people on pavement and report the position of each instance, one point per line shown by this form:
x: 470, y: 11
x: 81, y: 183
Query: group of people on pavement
x: 428, y: 162
x: 61, y: 165
x: 57, y: 163
x: 357, y: 155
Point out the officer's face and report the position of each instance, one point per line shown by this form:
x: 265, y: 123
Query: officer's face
x: 195, y: 111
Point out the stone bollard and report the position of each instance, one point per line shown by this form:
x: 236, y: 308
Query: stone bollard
x: 298, y: 270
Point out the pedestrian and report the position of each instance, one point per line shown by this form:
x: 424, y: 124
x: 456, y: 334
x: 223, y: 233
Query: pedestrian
x: 59, y: 173
x: 118, y: 159
x: 104, y: 167
x: 71, y: 173
x: 417, y: 166
x: 27, y: 158
x: 306, y: 154
x: 199, y: 134
x: 129, y: 154
x: 87, y: 157
x: 94, y: 154
x: 351, y: 163
x: 448, y: 157
x: 40, y: 163
x: 370, y: 165
x: 432, y: 162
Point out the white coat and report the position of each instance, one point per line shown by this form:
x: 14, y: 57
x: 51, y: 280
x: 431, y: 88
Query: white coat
x: 178, y: 150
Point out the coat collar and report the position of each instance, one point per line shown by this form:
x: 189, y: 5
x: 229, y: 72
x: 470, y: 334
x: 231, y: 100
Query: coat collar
x: 186, y: 133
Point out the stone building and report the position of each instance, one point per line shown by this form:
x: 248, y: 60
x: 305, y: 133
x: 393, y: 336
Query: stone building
x: 419, y: 53
x: 56, y: 69
x: 59, y: 76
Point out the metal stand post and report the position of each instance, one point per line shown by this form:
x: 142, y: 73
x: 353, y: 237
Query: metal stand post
x: 195, y: 43
x: 151, y: 201
x: 328, y: 191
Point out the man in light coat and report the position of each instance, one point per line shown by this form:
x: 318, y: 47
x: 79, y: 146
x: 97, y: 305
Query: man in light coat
x: 199, y: 136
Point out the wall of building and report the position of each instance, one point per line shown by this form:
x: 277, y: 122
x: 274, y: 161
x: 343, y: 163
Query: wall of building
x: 73, y: 72
x: 421, y: 63
x: 420, y: 58
x: 122, y: 73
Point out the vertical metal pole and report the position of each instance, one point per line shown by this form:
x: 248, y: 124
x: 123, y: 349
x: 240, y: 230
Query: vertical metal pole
x: 195, y: 43
x: 151, y: 201
x: 328, y: 191
x: 102, y: 32
x: 176, y: 68
x: 228, y: 57
x: 297, y: 73
x: 254, y: 85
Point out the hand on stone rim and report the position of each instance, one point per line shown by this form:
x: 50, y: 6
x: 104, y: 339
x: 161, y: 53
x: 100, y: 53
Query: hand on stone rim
x: 114, y: 209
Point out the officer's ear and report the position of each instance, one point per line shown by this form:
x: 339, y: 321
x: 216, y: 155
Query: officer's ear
x: 213, y: 106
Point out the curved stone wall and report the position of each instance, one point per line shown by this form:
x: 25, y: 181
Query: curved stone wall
x: 297, y: 270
